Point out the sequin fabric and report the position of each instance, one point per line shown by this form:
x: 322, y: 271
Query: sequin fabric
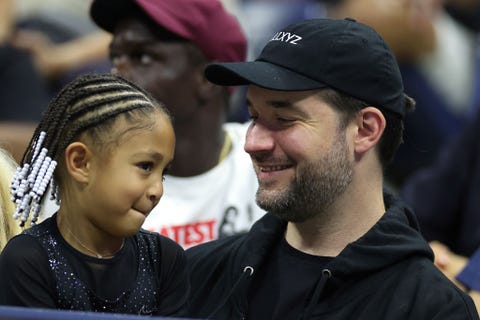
x: 73, y: 294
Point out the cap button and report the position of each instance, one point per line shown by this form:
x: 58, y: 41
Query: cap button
x: 351, y: 19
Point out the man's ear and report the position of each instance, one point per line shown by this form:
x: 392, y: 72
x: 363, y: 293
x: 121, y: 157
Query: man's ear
x: 371, y: 124
x: 77, y: 160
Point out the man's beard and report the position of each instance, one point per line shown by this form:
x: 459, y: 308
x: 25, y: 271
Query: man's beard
x: 317, y: 186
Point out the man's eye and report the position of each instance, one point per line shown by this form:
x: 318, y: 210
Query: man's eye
x: 145, y: 59
x: 115, y: 59
x: 147, y: 166
x: 284, y: 119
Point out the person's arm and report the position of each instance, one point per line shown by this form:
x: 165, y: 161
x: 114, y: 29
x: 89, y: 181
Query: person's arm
x: 449, y: 263
x: 55, y: 59
x: 25, y: 277
x: 406, y: 25
x: 6, y: 20
x: 461, y: 270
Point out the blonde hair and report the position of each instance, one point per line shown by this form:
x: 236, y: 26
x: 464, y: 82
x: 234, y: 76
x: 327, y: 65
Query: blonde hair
x: 8, y: 226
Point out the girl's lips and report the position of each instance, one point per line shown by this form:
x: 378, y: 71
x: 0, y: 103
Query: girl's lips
x: 145, y: 213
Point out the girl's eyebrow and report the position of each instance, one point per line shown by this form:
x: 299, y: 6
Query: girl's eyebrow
x: 151, y: 154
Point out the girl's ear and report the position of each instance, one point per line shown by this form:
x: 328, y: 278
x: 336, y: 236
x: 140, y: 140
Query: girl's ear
x: 371, y: 124
x: 77, y: 160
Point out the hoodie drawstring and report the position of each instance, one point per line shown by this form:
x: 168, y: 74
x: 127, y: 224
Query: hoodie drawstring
x: 247, y: 272
x: 326, y: 274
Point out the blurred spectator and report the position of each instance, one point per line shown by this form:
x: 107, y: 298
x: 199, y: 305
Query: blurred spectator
x: 62, y: 39
x: 439, y: 61
x: 43, y: 45
x: 446, y: 195
x: 23, y: 92
x: 8, y: 226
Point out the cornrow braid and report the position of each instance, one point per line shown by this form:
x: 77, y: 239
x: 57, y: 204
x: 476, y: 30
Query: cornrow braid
x: 87, y: 104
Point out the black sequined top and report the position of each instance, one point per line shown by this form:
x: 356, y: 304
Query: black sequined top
x: 148, y: 276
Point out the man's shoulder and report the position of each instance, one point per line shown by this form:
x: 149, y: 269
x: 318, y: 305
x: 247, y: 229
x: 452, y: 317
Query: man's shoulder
x: 420, y: 278
x: 217, y: 248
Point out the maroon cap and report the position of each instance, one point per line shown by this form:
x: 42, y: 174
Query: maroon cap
x: 205, y: 23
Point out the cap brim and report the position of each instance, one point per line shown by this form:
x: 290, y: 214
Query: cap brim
x: 259, y: 73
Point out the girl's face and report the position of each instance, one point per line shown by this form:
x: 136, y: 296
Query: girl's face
x: 126, y: 183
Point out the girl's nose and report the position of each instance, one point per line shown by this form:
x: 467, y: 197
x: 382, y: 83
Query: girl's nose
x: 155, y: 192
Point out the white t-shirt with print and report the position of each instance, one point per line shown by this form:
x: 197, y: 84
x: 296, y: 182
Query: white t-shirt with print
x: 212, y: 205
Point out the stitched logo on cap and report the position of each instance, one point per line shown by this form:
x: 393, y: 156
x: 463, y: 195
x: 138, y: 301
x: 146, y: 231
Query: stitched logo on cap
x: 286, y: 37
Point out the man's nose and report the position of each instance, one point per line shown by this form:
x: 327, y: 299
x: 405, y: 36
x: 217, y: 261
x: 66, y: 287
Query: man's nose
x: 259, y: 138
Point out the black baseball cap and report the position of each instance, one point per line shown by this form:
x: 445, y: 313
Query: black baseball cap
x: 338, y: 53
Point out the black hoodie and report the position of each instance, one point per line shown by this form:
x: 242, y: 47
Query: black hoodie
x: 386, y: 274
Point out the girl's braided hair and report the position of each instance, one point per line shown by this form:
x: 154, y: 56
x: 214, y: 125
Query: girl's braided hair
x: 88, y: 105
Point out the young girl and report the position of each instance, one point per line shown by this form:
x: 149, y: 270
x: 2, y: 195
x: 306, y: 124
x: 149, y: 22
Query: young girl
x: 105, y: 145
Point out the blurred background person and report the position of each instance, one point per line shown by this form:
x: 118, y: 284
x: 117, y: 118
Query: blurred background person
x: 43, y: 45
x: 62, y: 39
x: 438, y: 55
x: 8, y: 226
x: 23, y: 91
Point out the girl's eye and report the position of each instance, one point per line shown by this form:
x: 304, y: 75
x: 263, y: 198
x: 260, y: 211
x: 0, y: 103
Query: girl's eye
x: 147, y: 166
x: 165, y: 172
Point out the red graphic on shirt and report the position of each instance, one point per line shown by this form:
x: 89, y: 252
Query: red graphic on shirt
x: 190, y: 234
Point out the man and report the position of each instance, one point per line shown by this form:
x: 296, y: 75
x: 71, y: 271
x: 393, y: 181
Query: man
x: 164, y: 46
x: 327, y: 103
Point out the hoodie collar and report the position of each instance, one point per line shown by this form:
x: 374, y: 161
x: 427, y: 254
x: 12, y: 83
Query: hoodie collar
x: 393, y: 238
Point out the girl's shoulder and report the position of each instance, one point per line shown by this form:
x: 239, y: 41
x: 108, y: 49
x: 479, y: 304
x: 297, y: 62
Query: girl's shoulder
x: 45, y: 227
x: 23, y: 251
x: 158, y: 239
x: 159, y: 246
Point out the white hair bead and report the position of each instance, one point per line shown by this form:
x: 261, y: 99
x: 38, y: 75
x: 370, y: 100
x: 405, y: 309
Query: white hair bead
x: 30, y: 182
x: 38, y: 143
